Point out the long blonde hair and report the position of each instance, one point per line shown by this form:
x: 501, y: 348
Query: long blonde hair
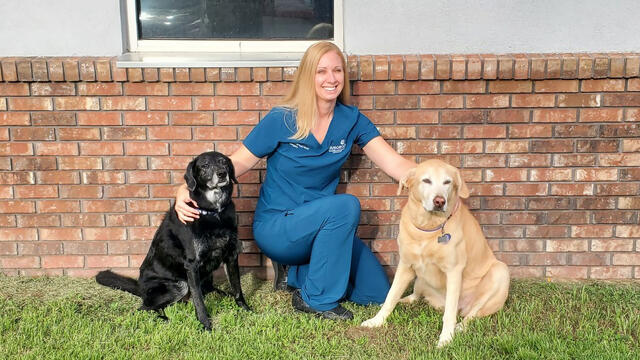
x: 302, y: 95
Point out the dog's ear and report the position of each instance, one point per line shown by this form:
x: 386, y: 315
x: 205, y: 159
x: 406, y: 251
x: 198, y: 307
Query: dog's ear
x: 189, y: 176
x: 232, y: 171
x: 463, y: 191
x: 404, y: 182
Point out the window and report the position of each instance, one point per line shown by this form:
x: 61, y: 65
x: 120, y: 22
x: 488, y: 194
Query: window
x: 232, y: 26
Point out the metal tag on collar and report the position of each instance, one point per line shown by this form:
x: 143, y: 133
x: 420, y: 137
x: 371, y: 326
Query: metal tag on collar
x: 444, y: 238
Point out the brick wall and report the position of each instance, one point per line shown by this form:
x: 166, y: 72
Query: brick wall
x: 91, y: 154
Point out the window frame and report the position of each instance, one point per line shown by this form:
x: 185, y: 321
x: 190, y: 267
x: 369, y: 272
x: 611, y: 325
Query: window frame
x: 227, y: 46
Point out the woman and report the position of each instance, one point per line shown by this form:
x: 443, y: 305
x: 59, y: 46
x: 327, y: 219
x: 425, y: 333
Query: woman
x: 299, y: 220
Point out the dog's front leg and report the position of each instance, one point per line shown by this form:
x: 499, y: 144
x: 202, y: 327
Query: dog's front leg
x: 233, y: 274
x: 404, y: 275
x: 454, y: 283
x: 193, y: 278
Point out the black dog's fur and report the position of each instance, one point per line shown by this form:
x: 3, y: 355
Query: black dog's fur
x: 182, y: 258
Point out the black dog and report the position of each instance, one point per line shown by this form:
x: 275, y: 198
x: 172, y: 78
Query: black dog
x: 182, y: 258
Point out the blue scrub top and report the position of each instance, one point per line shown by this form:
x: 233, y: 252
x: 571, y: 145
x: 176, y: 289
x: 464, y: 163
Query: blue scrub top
x: 299, y: 171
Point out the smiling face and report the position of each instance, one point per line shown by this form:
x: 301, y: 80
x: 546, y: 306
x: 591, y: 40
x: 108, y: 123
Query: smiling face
x: 329, y: 78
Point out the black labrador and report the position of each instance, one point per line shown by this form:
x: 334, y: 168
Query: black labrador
x: 182, y: 258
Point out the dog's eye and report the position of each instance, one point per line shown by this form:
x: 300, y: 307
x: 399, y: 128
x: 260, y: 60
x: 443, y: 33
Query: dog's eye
x: 426, y: 181
x: 205, y: 166
x: 447, y: 182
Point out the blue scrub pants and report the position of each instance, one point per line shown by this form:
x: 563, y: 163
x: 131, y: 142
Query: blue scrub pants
x: 328, y: 262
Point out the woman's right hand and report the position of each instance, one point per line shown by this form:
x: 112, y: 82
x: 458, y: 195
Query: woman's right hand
x: 185, y: 207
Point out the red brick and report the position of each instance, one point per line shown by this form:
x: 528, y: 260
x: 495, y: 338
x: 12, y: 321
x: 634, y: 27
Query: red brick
x: 550, y: 175
x: 487, y: 101
x: 70, y: 163
x: 529, y: 131
x: 215, y: 103
x: 85, y: 247
x: 146, y: 118
x: 9, y: 71
x: 441, y: 101
x: 374, y: 87
x: 103, y: 70
x: 58, y: 206
x: 123, y: 103
x: 512, y: 146
x: 236, y: 118
x: 14, y: 89
x: 80, y: 192
x: 526, y: 190
x: 564, y: 245
x: 167, y: 75
x: 216, y: 133
x: 192, y: 118
x: 135, y: 74
x: 458, y: 68
x: 574, y: 160
x: 14, y: 118
x: 462, y: 116
x: 381, y: 68
x: 237, y: 89
x: 460, y: 87
x: 633, y: 85
x: 157, y: 89
x: 611, y: 272
x: 555, y: 116
x: 30, y: 104
x: 170, y: 132
x: 508, y: 116
x: 418, y: 87
x: 35, y: 191
x: 396, y: 102
x: 556, y: 86
x: 62, y: 261
x: 102, y: 206
x: 104, y: 234
x: 443, y: 67
x: 76, y: 103
x: 626, y: 259
x: 572, y: 189
x: 24, y: 70
x: 95, y: 89
x: 102, y: 148
x: 128, y: 247
x: 65, y: 134
x: 192, y: 148
x: 612, y: 245
x: 13, y: 178
x: 626, y: 159
x: 148, y: 177
x: 628, y: 231
x: 19, y: 262
x: 122, y: 163
x: 592, y: 175
x: 83, y: 220
x: 538, y: 100
x: 107, y: 261
x: 127, y: 220
x: 146, y: 148
x: 502, y: 86
x: 631, y: 145
x: 579, y: 100
x: 60, y: 234
x: 15, y: 207
x: 366, y: 67
x: 97, y: 118
x: 624, y: 99
x: 479, y: 161
x: 439, y: 132
x: 461, y: 147
x: 600, y: 115
x: 33, y: 133
x: 606, y: 85
x: 58, y: 177
x: 124, y: 133
x: 396, y: 64
x: 169, y: 103
x: 53, y: 118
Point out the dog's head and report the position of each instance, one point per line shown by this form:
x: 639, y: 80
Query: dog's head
x: 435, y: 184
x: 208, y: 171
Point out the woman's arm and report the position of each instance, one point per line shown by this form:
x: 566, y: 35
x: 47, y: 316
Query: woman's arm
x: 243, y: 160
x: 387, y: 159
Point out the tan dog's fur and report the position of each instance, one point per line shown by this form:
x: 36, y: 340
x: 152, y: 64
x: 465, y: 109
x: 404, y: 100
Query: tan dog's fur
x: 462, y: 274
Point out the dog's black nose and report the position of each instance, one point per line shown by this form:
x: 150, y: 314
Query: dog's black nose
x: 439, y: 201
x: 221, y: 174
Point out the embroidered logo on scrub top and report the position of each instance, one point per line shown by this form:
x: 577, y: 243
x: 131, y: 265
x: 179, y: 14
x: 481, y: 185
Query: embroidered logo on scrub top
x: 299, y: 146
x: 338, y: 148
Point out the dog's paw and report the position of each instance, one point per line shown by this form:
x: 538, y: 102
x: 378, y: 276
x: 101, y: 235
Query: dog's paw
x: 207, y: 325
x: 445, y: 338
x: 461, y: 326
x: 409, y: 299
x: 375, y: 321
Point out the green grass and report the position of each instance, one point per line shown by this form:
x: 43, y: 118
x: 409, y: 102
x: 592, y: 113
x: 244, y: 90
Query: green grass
x: 66, y: 318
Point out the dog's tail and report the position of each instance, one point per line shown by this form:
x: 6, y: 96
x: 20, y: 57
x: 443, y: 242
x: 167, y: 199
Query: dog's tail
x: 118, y: 282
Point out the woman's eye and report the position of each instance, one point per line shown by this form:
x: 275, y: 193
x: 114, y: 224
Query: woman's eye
x: 426, y: 181
x: 447, y: 182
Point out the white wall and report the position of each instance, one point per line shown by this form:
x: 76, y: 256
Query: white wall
x: 93, y: 27
x: 60, y: 28
x: 490, y: 26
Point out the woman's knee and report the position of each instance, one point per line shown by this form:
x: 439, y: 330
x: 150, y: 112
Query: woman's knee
x: 348, y: 207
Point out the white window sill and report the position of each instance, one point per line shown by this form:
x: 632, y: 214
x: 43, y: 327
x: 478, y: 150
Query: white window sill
x: 198, y: 60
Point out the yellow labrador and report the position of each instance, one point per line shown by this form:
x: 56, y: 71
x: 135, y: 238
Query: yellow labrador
x: 442, y: 245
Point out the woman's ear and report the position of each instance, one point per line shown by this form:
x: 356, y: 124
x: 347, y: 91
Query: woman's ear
x: 406, y: 180
x: 189, y: 176
x: 463, y: 191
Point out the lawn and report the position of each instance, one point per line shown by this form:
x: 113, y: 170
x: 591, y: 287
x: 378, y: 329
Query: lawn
x: 67, y: 318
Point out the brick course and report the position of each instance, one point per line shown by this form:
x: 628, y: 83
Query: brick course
x: 91, y: 154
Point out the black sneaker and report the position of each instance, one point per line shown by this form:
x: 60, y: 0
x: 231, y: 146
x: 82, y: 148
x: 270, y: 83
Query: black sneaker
x: 337, y: 313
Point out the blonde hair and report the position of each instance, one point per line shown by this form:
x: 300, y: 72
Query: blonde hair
x: 302, y: 95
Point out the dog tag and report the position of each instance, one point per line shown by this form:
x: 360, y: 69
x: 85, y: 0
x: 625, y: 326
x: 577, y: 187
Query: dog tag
x: 444, y: 238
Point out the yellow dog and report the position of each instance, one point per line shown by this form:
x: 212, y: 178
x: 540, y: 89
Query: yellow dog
x: 441, y: 245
